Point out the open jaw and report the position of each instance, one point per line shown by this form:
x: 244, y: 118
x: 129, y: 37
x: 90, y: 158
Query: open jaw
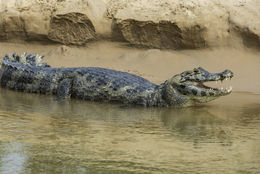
x: 192, y: 83
x: 205, y: 90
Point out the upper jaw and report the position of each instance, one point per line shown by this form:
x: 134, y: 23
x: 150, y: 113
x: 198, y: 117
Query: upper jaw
x: 205, y: 76
x: 227, y: 74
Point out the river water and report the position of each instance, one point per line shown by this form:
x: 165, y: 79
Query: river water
x: 41, y: 135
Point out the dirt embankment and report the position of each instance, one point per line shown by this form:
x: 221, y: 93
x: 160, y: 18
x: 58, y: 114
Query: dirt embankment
x: 187, y: 24
x: 170, y: 24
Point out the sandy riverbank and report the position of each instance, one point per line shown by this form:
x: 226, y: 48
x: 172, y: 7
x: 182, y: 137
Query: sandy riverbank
x: 153, y: 64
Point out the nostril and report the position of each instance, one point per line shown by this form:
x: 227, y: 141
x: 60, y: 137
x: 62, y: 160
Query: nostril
x: 227, y: 73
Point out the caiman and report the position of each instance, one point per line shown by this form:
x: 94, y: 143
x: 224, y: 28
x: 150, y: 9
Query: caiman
x: 27, y: 73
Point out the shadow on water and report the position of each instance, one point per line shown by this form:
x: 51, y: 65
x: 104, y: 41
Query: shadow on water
x: 42, y: 135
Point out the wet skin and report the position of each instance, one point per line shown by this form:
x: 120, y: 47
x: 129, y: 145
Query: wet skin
x: 27, y: 73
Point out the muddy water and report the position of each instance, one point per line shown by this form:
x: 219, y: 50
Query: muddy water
x: 41, y: 135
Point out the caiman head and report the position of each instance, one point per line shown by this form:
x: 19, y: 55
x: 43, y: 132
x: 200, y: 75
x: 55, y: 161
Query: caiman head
x: 189, y: 88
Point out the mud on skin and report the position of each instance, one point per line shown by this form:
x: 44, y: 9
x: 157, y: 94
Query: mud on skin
x: 27, y: 73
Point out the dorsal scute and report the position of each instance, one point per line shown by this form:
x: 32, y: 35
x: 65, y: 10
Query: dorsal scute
x: 27, y: 59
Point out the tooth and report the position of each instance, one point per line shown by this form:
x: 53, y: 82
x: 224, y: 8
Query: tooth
x: 230, y: 89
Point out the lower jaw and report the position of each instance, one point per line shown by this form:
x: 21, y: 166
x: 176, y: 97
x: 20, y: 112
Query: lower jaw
x: 223, y: 87
x: 214, y: 92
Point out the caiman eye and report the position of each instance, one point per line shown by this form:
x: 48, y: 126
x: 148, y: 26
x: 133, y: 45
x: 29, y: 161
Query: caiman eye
x: 196, y: 70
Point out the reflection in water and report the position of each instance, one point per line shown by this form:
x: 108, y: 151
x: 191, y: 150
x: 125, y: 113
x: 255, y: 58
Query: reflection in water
x: 197, y: 125
x: 42, y: 135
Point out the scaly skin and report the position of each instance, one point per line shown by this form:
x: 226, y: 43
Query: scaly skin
x: 27, y: 73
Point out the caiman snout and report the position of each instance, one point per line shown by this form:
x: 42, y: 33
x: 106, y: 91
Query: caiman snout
x: 226, y: 74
